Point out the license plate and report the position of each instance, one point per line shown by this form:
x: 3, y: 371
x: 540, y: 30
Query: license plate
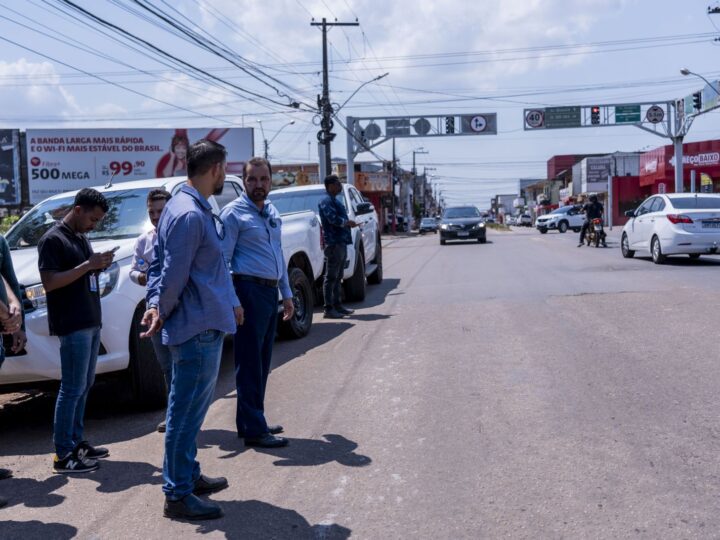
x: 463, y: 233
x: 711, y: 224
x: 598, y: 228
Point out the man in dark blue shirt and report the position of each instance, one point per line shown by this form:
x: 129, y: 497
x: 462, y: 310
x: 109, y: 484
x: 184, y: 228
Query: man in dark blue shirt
x: 336, y: 231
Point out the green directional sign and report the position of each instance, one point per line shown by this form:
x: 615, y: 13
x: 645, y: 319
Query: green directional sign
x: 627, y: 114
x: 562, y: 117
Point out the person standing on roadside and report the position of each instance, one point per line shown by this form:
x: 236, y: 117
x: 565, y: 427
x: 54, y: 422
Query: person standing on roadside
x: 19, y: 339
x: 143, y: 256
x: 190, y: 298
x: 253, y: 246
x: 10, y: 321
x: 336, y: 231
x: 69, y: 272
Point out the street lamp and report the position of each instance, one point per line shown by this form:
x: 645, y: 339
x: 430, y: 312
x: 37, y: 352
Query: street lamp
x: 686, y: 71
x: 266, y: 143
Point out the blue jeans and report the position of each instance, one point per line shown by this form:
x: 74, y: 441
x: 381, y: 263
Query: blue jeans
x: 335, y: 255
x: 78, y: 357
x: 195, y: 369
x: 164, y: 358
x: 253, y: 351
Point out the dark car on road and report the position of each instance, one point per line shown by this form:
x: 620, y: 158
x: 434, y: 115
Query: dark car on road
x: 462, y: 223
x: 428, y: 224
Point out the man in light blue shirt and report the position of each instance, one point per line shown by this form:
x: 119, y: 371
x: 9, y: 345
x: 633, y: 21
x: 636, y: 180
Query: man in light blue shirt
x: 252, y: 245
x: 190, y: 299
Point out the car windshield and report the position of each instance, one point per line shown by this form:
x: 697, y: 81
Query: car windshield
x: 289, y: 202
x: 428, y: 221
x: 700, y: 203
x: 562, y: 210
x: 126, y: 218
x: 461, y: 212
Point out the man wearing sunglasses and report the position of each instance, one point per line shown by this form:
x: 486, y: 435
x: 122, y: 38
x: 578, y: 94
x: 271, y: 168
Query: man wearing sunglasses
x: 191, y: 300
x: 252, y: 245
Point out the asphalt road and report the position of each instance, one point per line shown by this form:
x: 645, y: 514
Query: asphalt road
x: 523, y: 389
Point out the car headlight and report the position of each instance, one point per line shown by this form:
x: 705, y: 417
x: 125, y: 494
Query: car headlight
x: 36, y: 295
x: 444, y: 226
x: 108, y: 278
x: 479, y: 225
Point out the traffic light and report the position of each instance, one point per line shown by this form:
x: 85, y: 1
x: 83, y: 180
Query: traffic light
x: 697, y: 101
x: 595, y: 115
x: 449, y: 124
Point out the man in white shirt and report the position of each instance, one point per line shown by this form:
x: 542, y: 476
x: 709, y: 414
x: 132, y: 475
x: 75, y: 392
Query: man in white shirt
x: 144, y: 255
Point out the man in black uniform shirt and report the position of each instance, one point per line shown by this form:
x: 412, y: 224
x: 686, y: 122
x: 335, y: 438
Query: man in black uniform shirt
x: 69, y: 271
x: 593, y: 210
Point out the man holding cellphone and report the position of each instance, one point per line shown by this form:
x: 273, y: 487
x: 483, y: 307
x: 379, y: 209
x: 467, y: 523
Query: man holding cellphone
x: 69, y: 272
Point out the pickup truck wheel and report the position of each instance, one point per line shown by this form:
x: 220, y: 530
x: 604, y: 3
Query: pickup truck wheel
x: 377, y: 276
x: 146, y: 377
x: 442, y: 241
x: 300, y: 324
x: 563, y: 226
x: 355, y: 286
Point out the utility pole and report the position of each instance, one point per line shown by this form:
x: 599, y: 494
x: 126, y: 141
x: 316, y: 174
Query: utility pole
x: 392, y: 193
x: 420, y: 150
x: 325, y: 135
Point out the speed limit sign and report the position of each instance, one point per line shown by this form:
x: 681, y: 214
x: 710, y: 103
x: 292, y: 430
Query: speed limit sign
x: 535, y: 118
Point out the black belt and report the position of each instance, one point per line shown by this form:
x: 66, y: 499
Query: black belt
x: 254, y: 279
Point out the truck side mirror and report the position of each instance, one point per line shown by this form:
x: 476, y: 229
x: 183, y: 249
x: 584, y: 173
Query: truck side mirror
x: 364, y: 208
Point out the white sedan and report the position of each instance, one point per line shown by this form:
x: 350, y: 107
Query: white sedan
x: 673, y: 224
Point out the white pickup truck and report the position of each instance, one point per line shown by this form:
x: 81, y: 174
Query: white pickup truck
x: 364, y: 256
x: 123, y: 303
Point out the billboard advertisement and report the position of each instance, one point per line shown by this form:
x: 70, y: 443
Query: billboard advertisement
x: 61, y: 160
x: 9, y: 167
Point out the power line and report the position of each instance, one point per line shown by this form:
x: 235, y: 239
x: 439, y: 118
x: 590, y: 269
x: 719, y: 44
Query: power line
x: 3, y: 38
x: 159, y: 50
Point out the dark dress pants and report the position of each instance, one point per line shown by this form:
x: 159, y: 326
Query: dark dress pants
x: 335, y: 255
x: 253, y: 353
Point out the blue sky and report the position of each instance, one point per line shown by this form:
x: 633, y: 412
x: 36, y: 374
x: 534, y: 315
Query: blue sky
x: 450, y: 57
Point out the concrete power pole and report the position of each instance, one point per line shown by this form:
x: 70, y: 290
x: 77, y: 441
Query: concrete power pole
x: 325, y: 135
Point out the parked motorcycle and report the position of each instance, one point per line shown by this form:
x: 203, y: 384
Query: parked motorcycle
x: 596, y: 233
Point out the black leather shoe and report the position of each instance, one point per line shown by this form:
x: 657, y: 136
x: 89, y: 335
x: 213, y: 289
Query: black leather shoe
x: 344, y: 311
x: 7, y: 473
x: 266, y: 441
x: 191, y: 508
x: 205, y: 485
x: 274, y: 429
x: 332, y: 314
x: 162, y: 427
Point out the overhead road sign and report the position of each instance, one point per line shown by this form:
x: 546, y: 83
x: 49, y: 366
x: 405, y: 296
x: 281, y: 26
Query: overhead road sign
x: 627, y: 114
x: 535, y: 118
x: 655, y: 114
x: 585, y: 116
x: 479, y: 124
x: 562, y: 117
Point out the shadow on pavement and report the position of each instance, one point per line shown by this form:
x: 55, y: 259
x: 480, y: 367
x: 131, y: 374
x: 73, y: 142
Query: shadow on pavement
x: 368, y: 317
x: 28, y: 530
x: 32, y: 493
x: 376, y: 294
x: 299, y: 453
x: 686, y: 262
x: 118, y: 476
x: 256, y: 519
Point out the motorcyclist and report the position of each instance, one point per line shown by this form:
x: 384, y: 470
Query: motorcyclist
x: 592, y: 210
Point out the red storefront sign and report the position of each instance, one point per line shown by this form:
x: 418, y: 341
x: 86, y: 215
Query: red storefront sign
x: 658, y: 165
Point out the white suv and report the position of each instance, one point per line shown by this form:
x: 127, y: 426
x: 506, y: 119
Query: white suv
x: 561, y: 219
